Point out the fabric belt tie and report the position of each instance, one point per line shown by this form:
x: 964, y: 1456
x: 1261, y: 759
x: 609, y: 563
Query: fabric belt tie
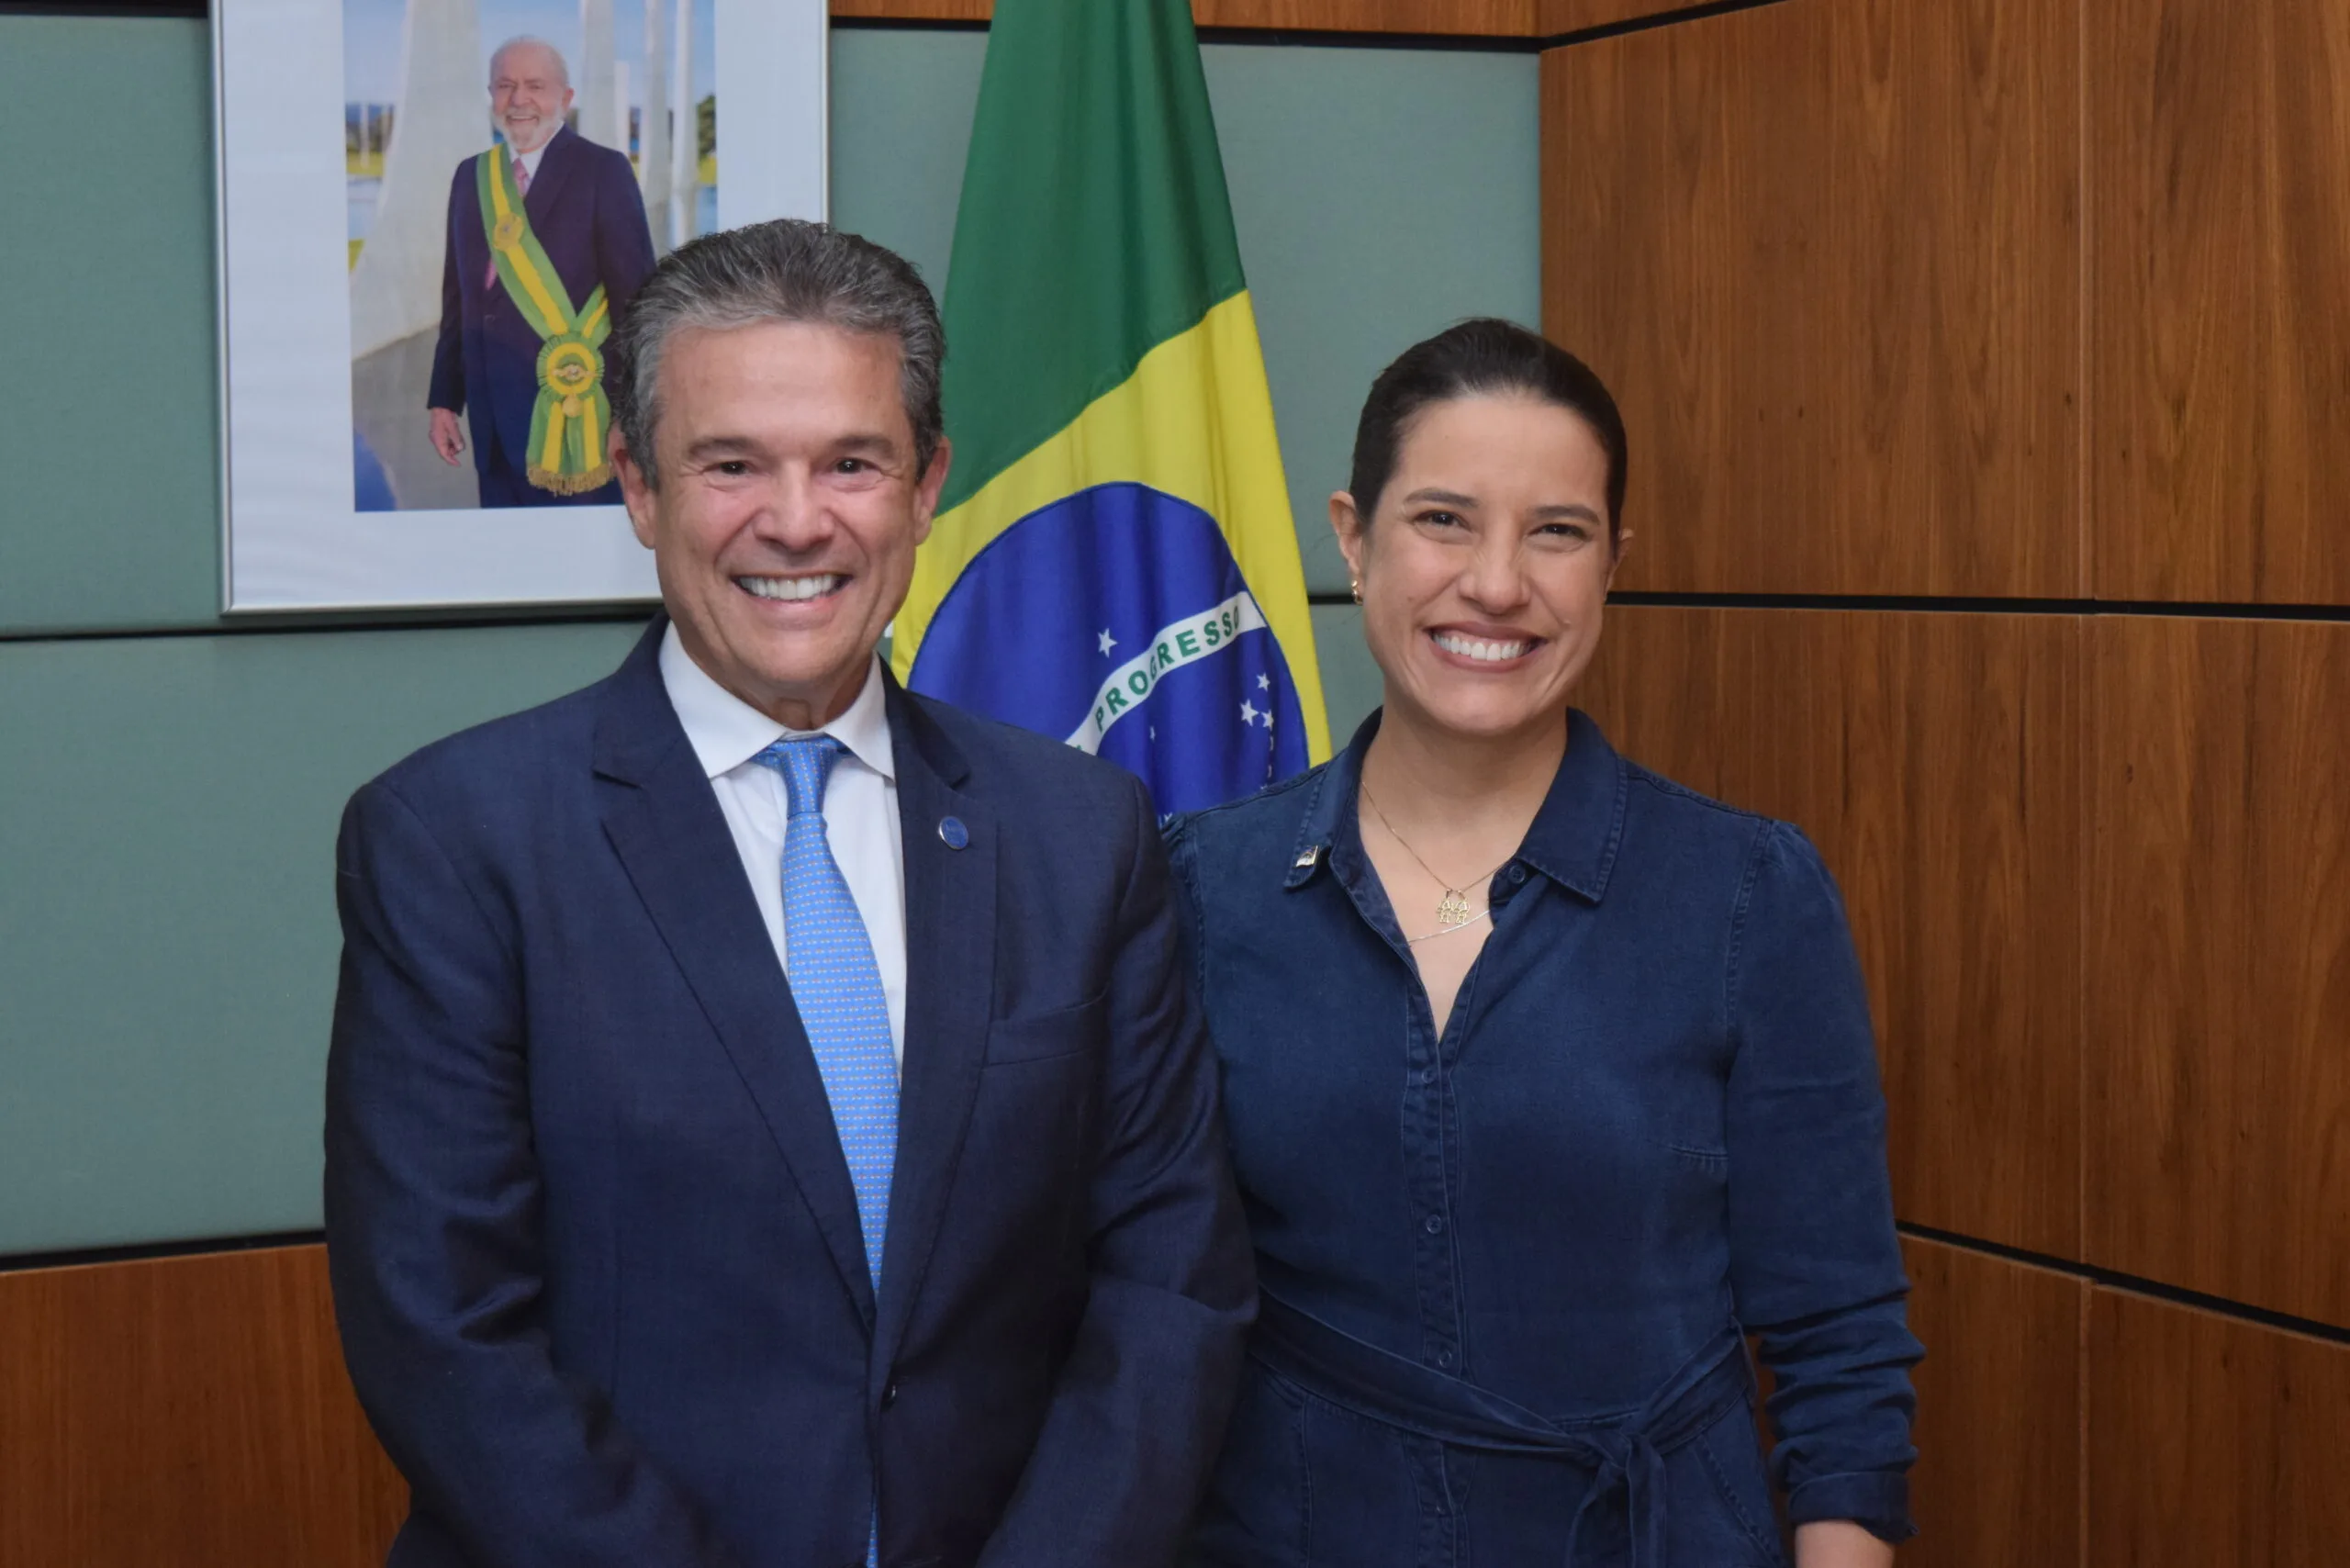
x: 1625, y: 1459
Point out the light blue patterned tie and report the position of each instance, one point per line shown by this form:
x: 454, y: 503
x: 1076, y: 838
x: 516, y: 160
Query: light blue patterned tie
x: 837, y: 984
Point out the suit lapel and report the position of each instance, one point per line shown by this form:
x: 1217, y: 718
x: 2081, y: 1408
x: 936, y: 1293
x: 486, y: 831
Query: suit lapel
x: 664, y: 822
x: 546, y: 185
x: 950, y: 985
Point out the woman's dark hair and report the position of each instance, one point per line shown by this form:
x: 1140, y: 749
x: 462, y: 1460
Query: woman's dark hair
x: 1486, y: 356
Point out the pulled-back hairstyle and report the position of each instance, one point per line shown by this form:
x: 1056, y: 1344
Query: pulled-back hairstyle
x: 1486, y: 356
x: 786, y: 269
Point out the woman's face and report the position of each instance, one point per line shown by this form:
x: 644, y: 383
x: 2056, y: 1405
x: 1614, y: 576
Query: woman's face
x: 1485, y: 567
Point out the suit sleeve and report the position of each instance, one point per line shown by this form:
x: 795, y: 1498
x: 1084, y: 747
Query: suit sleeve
x: 433, y: 1205
x: 1139, y: 1413
x: 448, y: 384
x: 1814, y: 1260
x: 624, y: 243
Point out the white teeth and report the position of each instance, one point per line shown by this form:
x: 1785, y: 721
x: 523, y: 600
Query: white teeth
x: 792, y: 589
x: 1480, y: 648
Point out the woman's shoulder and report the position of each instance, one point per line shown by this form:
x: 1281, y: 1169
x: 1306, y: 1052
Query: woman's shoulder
x: 1273, y: 812
x: 1665, y: 813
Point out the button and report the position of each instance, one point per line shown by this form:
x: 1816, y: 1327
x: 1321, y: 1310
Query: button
x: 1427, y: 1075
x: 1517, y: 876
x: 1435, y: 1225
x: 1444, y: 1358
x: 889, y: 1394
x: 953, y: 833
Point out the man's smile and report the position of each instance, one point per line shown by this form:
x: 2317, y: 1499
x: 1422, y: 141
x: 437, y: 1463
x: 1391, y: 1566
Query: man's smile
x: 792, y: 589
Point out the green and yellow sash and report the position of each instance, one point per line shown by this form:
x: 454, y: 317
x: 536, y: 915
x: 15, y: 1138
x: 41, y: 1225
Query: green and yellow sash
x: 566, y: 452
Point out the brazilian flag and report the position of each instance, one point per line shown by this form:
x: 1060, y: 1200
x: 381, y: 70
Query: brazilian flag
x: 1114, y: 561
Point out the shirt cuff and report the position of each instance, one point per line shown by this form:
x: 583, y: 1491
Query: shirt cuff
x: 1877, y: 1500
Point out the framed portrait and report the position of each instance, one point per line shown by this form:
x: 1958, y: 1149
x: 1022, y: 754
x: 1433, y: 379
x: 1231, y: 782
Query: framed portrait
x: 432, y: 213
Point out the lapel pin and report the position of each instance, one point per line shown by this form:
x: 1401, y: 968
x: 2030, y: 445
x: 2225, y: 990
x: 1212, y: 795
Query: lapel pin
x: 952, y: 832
x: 1308, y: 855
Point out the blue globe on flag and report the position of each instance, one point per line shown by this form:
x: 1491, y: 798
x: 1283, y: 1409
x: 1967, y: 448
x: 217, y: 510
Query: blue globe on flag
x: 1116, y: 619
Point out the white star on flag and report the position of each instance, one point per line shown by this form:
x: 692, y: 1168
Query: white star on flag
x: 1248, y: 712
x: 1264, y: 683
x: 1108, y: 642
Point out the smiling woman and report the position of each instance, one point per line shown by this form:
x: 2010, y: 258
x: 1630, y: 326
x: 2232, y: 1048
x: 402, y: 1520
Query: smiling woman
x: 1640, y: 1116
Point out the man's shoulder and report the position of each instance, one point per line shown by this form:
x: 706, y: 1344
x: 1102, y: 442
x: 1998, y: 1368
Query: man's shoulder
x: 1016, y: 768
x: 605, y: 163
x: 499, y: 760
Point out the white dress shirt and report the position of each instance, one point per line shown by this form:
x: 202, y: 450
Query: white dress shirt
x: 860, y: 808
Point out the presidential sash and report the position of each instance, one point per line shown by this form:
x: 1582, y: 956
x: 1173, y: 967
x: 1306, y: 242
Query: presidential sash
x: 566, y: 452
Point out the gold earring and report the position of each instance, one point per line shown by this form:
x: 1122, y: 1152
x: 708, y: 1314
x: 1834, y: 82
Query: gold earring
x: 1357, y: 585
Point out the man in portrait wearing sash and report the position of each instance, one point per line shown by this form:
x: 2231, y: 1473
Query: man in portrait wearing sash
x: 547, y: 244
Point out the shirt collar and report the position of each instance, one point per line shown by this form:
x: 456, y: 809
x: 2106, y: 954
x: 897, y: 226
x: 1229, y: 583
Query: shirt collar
x: 1572, y: 839
x: 726, y: 732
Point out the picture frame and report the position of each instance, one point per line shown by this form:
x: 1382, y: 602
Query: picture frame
x: 358, y: 288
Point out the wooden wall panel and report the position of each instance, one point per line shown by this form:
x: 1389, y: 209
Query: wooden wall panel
x: 1502, y: 18
x: 191, y: 1412
x: 2219, y: 959
x: 1998, y: 1411
x: 2214, y: 1441
x: 914, y: 10
x: 2219, y: 409
x: 1826, y: 254
x: 1556, y: 17
x: 1935, y: 760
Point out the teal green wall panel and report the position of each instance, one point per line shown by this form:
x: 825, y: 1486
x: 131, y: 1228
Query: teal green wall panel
x: 901, y: 105
x: 1350, y: 686
x: 168, y: 803
x: 108, y: 428
x: 167, y: 929
x: 1378, y: 193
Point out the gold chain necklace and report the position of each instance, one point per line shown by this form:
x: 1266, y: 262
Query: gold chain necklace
x: 1452, y: 911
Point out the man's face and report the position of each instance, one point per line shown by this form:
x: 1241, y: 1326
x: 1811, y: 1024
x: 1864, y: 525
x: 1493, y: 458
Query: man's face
x: 528, y: 97
x: 789, y: 508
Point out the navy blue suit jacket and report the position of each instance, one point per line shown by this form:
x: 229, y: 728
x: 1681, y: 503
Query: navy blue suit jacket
x: 588, y: 214
x: 595, y: 1252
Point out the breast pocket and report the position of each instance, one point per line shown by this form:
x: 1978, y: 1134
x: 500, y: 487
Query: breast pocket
x: 1041, y: 1036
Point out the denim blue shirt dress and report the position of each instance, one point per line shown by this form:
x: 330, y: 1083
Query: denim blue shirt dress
x: 1509, y: 1264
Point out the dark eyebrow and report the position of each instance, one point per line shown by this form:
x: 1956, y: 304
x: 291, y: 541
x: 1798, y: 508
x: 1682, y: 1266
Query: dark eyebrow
x: 1547, y: 513
x: 721, y: 447
x: 1441, y: 497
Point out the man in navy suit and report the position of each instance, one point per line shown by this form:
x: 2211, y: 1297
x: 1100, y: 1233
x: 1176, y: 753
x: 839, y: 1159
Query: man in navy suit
x: 583, y: 206
x: 769, y: 1121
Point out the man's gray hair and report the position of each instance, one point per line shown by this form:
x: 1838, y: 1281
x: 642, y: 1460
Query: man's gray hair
x: 530, y: 41
x: 786, y: 269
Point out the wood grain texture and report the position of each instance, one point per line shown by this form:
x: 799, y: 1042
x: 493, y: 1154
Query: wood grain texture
x: 915, y: 10
x: 2221, y: 338
x: 1935, y: 759
x: 2218, y: 1033
x: 1495, y: 18
x: 191, y: 1412
x: 1999, y: 1428
x: 1825, y: 254
x: 2214, y: 1441
x: 1554, y: 17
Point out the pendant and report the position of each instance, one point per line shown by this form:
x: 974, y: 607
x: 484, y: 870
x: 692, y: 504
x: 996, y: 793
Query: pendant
x: 1454, y: 910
